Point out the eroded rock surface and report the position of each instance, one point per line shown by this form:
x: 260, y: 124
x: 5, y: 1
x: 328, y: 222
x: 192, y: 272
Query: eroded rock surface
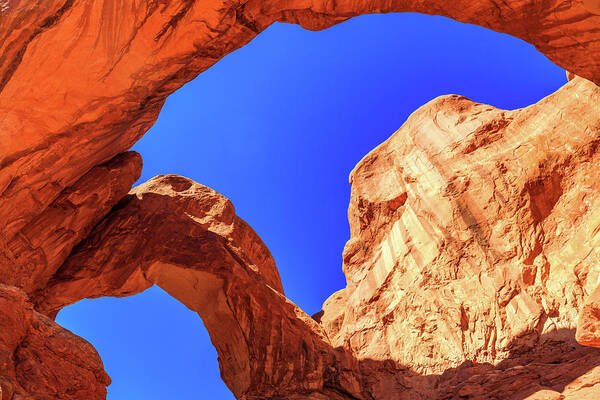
x: 82, y: 80
x: 475, y: 235
x: 186, y: 238
x: 32, y: 256
x: 474, y: 230
x: 40, y: 360
x: 588, y: 327
x: 473, y: 248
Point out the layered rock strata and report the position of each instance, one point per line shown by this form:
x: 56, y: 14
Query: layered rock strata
x: 82, y: 80
x: 474, y: 230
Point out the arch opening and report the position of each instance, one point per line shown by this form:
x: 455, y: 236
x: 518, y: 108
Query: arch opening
x: 151, y: 344
x: 326, y: 154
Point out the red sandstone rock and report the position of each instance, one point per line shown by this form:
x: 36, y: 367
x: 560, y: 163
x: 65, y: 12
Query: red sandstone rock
x: 41, y: 360
x: 39, y: 248
x: 34, y: 254
x: 82, y: 80
x: 472, y: 250
x: 474, y: 230
x: 186, y: 238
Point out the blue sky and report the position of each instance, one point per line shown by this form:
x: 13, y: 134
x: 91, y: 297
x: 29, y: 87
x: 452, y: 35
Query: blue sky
x: 277, y: 126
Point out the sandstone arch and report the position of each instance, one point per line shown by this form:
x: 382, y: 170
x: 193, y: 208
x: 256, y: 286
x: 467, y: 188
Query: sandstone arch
x: 98, y: 71
x: 186, y: 238
x: 82, y: 80
x: 494, y: 260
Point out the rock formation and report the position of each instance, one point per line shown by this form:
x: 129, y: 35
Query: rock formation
x: 474, y: 230
x: 474, y: 234
x: 39, y: 248
x: 485, y: 221
x: 472, y: 250
x: 82, y: 80
x: 186, y: 238
x: 40, y: 359
x: 588, y: 328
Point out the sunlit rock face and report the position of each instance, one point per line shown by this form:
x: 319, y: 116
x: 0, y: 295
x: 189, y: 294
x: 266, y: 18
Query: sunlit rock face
x: 475, y: 236
x: 474, y: 230
x: 82, y: 80
x: 588, y: 328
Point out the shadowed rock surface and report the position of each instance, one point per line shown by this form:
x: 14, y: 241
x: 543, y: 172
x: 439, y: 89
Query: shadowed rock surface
x: 186, y: 238
x: 34, y: 254
x: 40, y: 359
x: 473, y: 230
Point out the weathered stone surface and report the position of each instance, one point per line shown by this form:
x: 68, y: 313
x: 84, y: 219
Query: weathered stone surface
x: 474, y: 232
x: 588, y: 327
x: 473, y: 247
x: 158, y: 221
x: 82, y: 80
x: 558, y: 371
x: 33, y: 255
x: 186, y: 238
x: 41, y: 360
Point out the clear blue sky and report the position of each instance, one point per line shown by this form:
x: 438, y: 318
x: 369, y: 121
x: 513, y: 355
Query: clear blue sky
x: 277, y: 126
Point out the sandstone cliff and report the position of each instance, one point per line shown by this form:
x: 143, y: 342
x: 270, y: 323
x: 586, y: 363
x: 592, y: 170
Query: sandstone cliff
x: 472, y: 251
x: 474, y: 230
x: 82, y: 80
x: 474, y: 235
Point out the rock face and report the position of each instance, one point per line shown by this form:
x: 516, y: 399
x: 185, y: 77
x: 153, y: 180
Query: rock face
x: 474, y: 227
x: 588, y: 327
x: 186, y: 238
x: 474, y: 235
x: 473, y: 248
x: 40, y: 247
x: 474, y: 230
x: 82, y: 80
x: 39, y: 359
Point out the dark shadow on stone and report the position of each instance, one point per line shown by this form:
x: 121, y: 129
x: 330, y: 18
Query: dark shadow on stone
x: 553, y: 363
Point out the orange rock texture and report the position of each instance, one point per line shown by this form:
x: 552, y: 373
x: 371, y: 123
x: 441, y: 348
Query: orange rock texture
x: 42, y: 360
x: 82, y: 80
x: 474, y: 236
x: 485, y: 221
x: 186, y: 238
x: 473, y: 230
